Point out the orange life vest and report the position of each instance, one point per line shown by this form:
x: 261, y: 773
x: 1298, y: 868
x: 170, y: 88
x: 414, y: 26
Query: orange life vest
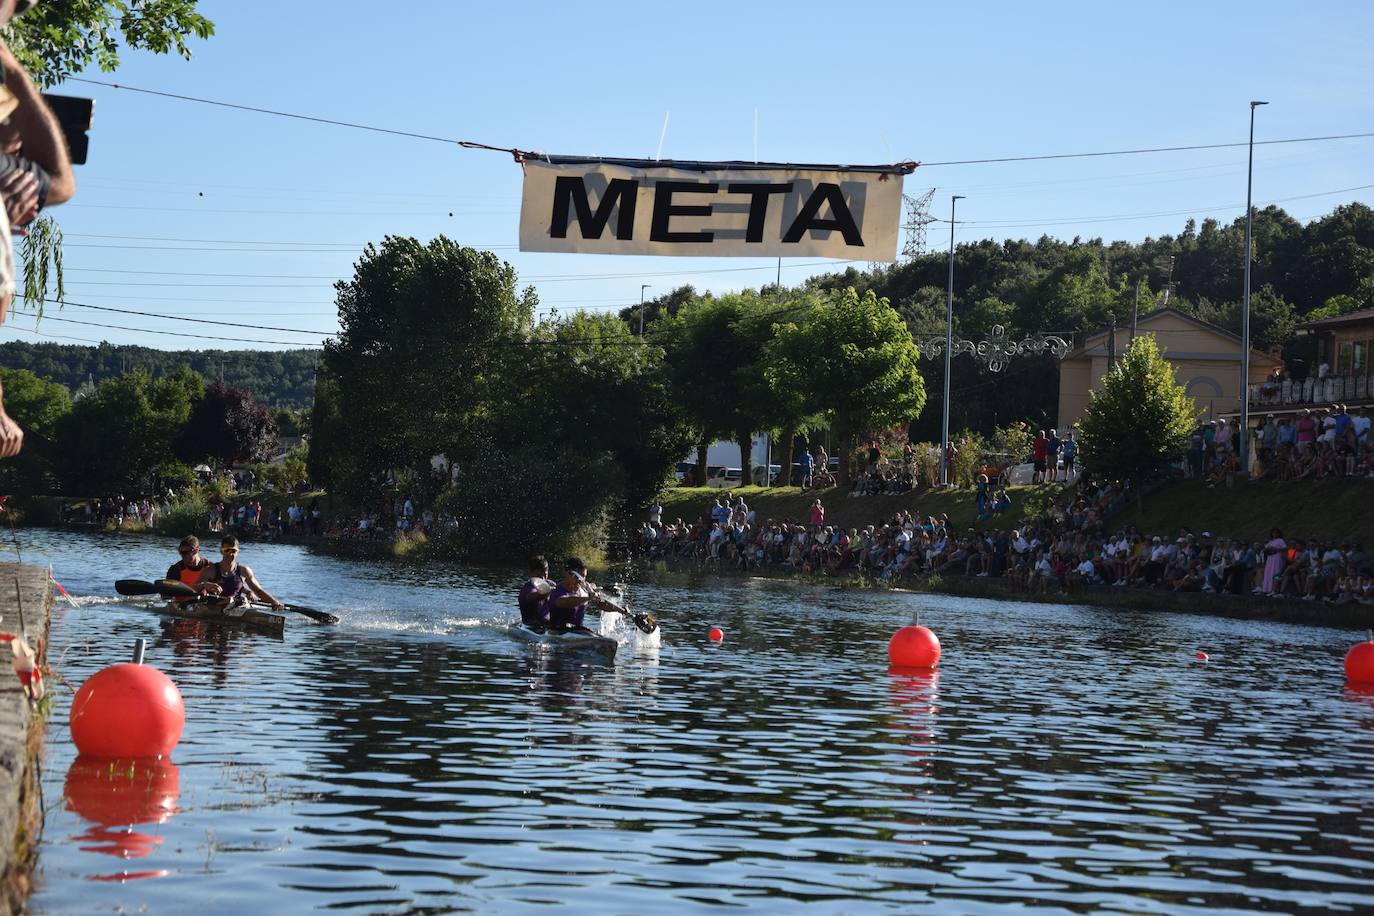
x: 190, y: 577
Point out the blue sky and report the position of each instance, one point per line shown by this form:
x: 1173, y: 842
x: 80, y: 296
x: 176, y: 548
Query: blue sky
x: 203, y: 212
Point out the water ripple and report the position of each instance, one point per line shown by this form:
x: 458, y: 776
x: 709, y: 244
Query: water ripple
x: 415, y: 759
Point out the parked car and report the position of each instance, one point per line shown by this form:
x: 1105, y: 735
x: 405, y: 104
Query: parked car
x: 774, y: 472
x: 724, y: 478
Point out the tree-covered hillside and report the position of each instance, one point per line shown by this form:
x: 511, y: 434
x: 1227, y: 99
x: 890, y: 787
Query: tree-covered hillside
x: 284, y: 378
x: 1301, y: 272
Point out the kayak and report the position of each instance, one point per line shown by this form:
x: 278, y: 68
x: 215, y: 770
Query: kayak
x: 251, y: 618
x: 590, y: 642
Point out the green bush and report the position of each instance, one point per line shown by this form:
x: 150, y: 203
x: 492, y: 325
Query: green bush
x: 188, y: 514
x: 511, y: 503
x: 968, y: 458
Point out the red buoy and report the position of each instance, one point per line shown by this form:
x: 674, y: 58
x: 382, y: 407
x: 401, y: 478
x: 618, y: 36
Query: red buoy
x: 127, y: 710
x: 1201, y: 656
x: 715, y: 634
x: 914, y: 647
x: 1359, y: 663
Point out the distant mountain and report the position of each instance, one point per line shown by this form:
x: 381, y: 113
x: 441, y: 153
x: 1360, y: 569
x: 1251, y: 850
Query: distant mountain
x: 278, y: 378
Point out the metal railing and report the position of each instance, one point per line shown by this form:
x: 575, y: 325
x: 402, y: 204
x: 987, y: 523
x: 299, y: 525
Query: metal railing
x: 1330, y: 390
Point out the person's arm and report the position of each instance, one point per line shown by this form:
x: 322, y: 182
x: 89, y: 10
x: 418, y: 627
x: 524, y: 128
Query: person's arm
x: 11, y: 436
x: 252, y: 582
x: 206, y: 584
x: 173, y: 573
x: 39, y: 130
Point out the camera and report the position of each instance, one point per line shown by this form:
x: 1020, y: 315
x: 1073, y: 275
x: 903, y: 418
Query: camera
x: 74, y: 114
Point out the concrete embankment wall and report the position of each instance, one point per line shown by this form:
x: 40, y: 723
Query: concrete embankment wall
x: 21, y: 733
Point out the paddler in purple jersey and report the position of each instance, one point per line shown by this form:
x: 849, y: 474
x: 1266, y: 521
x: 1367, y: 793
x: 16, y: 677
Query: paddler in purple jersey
x: 534, y: 597
x: 568, y: 602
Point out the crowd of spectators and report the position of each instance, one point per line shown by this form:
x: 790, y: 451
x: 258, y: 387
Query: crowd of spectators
x: 388, y: 522
x: 1061, y: 548
x: 114, y: 510
x: 1327, y: 442
x: 251, y: 519
x: 1314, y: 444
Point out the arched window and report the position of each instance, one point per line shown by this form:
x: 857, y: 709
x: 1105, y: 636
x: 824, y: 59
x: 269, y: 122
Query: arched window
x: 1202, y: 386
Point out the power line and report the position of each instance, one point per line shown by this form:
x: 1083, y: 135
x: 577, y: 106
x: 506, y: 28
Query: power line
x: 226, y: 301
x: 454, y: 141
x: 345, y: 246
x: 229, y: 250
x: 213, y: 285
x: 117, y: 327
x: 231, y: 324
x: 267, y: 111
x: 178, y: 273
x: 165, y: 238
x: 84, y: 340
x: 1153, y: 149
x: 450, y: 213
x: 1073, y: 220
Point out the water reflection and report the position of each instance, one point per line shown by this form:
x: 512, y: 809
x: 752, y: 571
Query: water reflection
x: 415, y: 758
x: 114, y: 796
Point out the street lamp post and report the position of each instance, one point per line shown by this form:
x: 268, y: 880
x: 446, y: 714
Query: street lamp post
x: 642, y: 288
x: 949, y: 349
x: 1243, y: 443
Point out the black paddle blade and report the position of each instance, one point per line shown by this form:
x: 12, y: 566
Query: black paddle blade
x: 321, y: 616
x: 647, y: 623
x: 172, y: 588
x: 135, y: 587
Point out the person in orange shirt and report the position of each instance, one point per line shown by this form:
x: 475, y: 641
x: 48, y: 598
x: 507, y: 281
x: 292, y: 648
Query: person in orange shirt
x: 190, y: 566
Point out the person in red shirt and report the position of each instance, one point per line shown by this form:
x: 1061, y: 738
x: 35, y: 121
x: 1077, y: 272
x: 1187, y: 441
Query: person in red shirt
x: 1039, y: 454
x: 1306, y: 428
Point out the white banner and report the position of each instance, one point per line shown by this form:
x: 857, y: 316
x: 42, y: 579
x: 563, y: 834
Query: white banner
x: 737, y: 210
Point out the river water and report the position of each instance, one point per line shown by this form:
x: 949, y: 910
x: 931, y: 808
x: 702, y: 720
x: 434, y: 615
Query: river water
x: 414, y: 758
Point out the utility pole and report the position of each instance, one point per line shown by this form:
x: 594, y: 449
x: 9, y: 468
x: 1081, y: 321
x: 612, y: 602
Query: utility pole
x: 949, y: 347
x: 1135, y: 309
x: 1243, y: 442
x: 1111, y: 342
x: 642, y: 288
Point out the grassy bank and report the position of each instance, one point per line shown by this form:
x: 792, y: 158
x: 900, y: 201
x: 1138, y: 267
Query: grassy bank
x: 1328, y: 509
x: 793, y: 504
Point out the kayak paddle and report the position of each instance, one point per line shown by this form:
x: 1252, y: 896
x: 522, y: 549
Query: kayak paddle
x: 171, y: 588
x: 646, y: 623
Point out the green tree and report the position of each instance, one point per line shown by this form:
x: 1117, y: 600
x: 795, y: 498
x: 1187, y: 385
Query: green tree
x: 583, y: 429
x: 120, y: 438
x: 713, y: 349
x: 426, y: 329
x: 855, y: 363
x: 1138, y: 424
x: 56, y: 39
x: 34, y: 403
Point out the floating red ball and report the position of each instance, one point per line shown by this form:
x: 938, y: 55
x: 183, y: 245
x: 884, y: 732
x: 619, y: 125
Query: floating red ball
x: 1359, y: 663
x: 1201, y: 656
x: 127, y: 710
x: 715, y: 634
x: 914, y: 647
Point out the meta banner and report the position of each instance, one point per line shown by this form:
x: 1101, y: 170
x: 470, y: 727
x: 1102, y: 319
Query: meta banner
x: 726, y: 209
